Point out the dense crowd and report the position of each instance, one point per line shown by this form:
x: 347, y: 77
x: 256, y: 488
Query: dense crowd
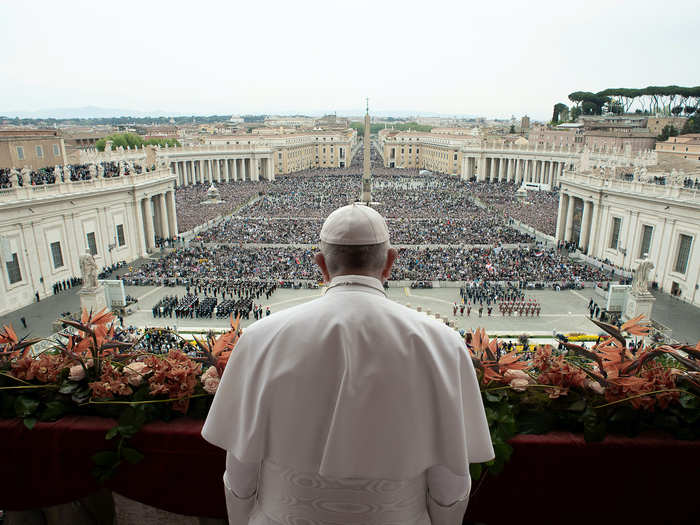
x: 200, y: 266
x: 69, y: 172
x: 190, y: 211
x: 539, y: 209
x: 479, y: 227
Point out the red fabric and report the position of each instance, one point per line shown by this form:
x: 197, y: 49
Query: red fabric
x: 559, y: 478
x: 552, y: 478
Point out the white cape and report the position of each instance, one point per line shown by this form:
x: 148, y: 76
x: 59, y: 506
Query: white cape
x: 351, y: 385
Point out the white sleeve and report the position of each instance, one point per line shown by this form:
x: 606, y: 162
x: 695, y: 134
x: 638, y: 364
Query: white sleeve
x: 241, y: 485
x: 448, y: 496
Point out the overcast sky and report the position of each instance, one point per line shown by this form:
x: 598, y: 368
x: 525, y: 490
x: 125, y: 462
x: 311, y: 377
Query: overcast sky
x: 493, y: 58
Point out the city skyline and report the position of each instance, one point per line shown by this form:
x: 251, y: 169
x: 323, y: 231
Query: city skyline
x: 304, y: 58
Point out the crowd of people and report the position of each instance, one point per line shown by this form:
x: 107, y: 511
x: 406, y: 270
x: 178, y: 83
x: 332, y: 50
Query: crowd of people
x: 68, y: 172
x: 478, y: 227
x: 202, y: 266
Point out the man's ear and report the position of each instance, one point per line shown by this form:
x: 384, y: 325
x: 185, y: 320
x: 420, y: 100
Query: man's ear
x: 321, y: 262
x: 391, y: 255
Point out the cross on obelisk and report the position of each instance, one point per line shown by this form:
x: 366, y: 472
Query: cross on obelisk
x: 366, y: 175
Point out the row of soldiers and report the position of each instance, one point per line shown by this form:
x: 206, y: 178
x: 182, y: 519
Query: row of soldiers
x: 66, y: 284
x: 523, y: 308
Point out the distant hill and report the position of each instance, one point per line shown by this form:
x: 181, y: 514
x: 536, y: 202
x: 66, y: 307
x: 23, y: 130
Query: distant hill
x: 85, y: 112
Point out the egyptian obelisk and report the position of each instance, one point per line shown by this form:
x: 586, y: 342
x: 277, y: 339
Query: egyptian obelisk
x: 366, y: 175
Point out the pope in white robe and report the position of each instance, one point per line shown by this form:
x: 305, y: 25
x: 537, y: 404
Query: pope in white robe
x: 350, y: 409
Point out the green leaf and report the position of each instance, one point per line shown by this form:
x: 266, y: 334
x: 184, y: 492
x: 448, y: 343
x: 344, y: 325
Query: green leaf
x: 535, y: 422
x: 106, y: 458
x: 132, y: 417
x: 25, y: 406
x: 594, y: 427
x: 68, y: 387
x: 494, y: 397
x: 475, y: 470
x: 112, y: 432
x: 54, y: 410
x: 132, y: 455
x: 577, y: 406
x: 29, y: 422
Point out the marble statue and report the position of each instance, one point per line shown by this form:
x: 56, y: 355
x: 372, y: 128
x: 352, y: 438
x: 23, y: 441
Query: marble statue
x: 93, y: 171
x: 100, y: 170
x: 66, y: 173
x: 88, y: 268
x: 121, y: 168
x: 640, y: 279
x: 26, y: 176
x: 57, y: 173
x: 14, y: 177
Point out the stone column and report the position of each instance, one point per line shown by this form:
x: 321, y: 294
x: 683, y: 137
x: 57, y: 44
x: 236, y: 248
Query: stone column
x: 593, y: 230
x: 570, y: 218
x: 226, y: 173
x: 163, y: 215
x: 235, y: 169
x: 585, y: 226
x: 172, y: 215
x: 561, y: 224
x: 150, y: 233
x: 482, y: 169
x: 254, y: 167
x: 140, y: 230
x: 492, y: 170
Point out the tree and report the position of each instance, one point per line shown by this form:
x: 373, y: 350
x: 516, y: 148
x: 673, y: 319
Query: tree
x: 692, y: 125
x: 668, y: 131
x: 689, y: 110
x: 132, y: 140
x: 575, y: 113
x: 677, y: 110
x: 512, y: 129
x: 558, y: 108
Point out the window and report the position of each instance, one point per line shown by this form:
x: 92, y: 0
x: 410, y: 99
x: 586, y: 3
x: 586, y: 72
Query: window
x: 39, y: 152
x: 56, y: 151
x: 684, y: 244
x: 120, y: 235
x: 455, y: 157
x: 615, y: 237
x: 56, y: 254
x: 646, y: 240
x: 92, y: 245
x: 20, y: 152
x: 13, y: 271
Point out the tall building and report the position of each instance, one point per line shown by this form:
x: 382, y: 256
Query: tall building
x: 33, y: 148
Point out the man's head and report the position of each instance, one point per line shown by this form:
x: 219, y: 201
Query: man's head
x: 355, y: 240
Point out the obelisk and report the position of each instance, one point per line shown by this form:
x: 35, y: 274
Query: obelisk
x: 366, y: 175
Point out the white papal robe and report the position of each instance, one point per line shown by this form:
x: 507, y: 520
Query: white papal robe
x: 349, y: 409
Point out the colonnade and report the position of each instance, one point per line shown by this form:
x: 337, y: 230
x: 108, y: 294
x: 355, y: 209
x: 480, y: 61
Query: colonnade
x: 588, y: 222
x: 156, y: 217
x: 513, y: 169
x: 208, y: 170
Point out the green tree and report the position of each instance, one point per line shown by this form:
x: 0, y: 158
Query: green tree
x: 558, y: 108
x: 677, y: 110
x: 668, y: 131
x: 512, y: 129
x: 692, y: 125
x: 132, y: 140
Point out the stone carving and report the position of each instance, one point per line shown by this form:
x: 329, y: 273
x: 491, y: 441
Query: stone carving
x: 88, y: 269
x: 100, y: 171
x: 26, y: 176
x: 66, y: 173
x: 121, y: 168
x: 57, y: 173
x: 640, y: 279
x: 93, y: 171
x: 14, y: 177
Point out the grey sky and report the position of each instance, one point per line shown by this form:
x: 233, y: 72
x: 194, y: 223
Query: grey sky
x: 496, y: 58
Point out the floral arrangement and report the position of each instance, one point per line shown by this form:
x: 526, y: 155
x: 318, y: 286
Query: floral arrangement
x: 594, y: 391
x: 88, y: 371
x: 606, y: 388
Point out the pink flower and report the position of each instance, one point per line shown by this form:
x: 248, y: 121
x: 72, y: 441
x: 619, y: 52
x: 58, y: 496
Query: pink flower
x: 135, y: 371
x: 210, y: 380
x: 519, y: 384
x: 76, y: 373
x: 510, y: 375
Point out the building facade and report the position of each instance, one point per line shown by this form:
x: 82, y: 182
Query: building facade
x: 684, y: 146
x: 622, y: 220
x: 33, y: 148
x: 44, y: 229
